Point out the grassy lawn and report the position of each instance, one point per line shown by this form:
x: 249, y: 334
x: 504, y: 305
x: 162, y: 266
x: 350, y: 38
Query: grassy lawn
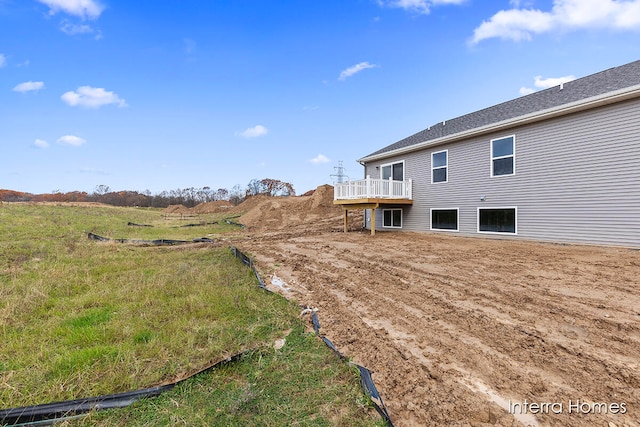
x: 80, y: 318
x: 301, y: 384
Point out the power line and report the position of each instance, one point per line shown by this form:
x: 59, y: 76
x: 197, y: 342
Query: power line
x: 339, y: 175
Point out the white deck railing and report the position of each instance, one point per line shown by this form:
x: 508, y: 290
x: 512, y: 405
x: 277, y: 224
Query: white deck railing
x: 370, y: 188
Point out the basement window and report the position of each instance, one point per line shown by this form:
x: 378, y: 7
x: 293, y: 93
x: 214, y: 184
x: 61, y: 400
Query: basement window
x: 439, y: 166
x: 392, y: 218
x: 503, y: 156
x: 497, y: 220
x: 444, y: 219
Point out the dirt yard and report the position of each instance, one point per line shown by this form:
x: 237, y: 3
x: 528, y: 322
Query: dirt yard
x: 465, y: 331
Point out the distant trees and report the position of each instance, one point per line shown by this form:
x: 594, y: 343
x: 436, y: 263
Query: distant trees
x: 14, y: 196
x: 269, y: 187
x: 222, y: 194
x: 188, y: 197
x: 237, y: 195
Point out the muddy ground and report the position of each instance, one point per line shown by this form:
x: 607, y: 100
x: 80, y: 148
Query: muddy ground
x: 462, y: 331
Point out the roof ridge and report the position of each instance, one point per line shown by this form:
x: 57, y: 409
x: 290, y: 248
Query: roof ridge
x: 599, y: 83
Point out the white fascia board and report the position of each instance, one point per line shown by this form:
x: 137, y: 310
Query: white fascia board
x: 561, y: 110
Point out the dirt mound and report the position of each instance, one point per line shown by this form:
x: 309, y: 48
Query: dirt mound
x: 212, y: 207
x: 177, y: 209
x: 315, y: 212
x: 323, y: 198
x: 250, y: 203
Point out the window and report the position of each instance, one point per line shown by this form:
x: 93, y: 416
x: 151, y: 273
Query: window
x: 439, y: 163
x: 503, y: 156
x: 394, y: 171
x: 497, y: 220
x: 392, y: 218
x: 444, y: 219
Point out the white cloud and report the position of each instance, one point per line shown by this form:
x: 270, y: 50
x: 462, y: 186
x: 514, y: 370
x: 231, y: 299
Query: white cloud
x: 92, y: 97
x: 81, y: 8
x: 73, y: 140
x: 254, y: 132
x: 514, y: 24
x: 320, y: 158
x: 526, y: 90
x: 355, y: 69
x: 40, y: 143
x: 418, y: 6
x: 541, y: 83
x: 552, y: 81
x: 3, y: 60
x: 28, y: 86
x: 72, y: 29
x: 565, y: 15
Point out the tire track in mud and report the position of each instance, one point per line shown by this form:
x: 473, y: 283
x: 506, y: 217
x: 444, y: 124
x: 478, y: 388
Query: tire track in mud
x: 442, y: 333
x: 411, y: 383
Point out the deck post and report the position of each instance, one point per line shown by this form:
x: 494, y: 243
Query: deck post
x: 346, y: 218
x: 373, y: 221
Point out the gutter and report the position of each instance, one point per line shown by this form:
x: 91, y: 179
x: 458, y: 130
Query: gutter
x: 619, y: 95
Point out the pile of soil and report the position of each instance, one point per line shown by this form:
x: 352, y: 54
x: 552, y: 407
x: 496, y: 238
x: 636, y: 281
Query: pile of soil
x: 217, y: 206
x: 263, y: 213
x: 177, y: 210
x: 249, y: 203
x: 316, y: 211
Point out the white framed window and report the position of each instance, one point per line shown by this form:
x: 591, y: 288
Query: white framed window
x: 444, y: 219
x: 498, y: 220
x: 392, y: 218
x: 395, y: 171
x: 440, y: 166
x: 503, y: 156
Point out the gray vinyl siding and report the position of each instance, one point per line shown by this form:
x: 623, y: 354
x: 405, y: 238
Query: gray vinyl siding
x: 577, y: 179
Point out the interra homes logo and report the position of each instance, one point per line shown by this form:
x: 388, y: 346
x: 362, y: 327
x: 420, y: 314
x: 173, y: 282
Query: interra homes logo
x: 570, y: 407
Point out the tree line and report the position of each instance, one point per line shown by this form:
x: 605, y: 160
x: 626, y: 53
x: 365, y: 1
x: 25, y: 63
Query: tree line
x: 188, y: 197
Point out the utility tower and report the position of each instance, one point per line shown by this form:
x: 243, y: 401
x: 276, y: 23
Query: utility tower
x: 339, y: 175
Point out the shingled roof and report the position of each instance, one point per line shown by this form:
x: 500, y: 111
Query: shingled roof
x: 611, y: 80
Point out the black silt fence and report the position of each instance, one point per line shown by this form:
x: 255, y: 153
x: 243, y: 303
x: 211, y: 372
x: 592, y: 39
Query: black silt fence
x: 249, y: 263
x: 365, y: 374
x: 157, y: 242
x: 237, y: 224
x: 50, y: 413
x: 133, y: 224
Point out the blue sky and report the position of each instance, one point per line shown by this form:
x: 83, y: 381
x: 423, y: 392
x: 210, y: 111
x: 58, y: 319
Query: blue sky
x: 166, y: 94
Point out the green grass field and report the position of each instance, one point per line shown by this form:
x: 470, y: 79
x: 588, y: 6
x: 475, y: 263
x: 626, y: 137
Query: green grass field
x: 81, y: 318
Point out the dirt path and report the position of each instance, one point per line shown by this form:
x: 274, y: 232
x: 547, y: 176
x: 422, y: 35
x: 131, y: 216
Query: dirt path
x: 457, y: 329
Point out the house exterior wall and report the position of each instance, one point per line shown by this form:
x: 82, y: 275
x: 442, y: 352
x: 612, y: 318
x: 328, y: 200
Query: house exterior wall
x: 577, y: 179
